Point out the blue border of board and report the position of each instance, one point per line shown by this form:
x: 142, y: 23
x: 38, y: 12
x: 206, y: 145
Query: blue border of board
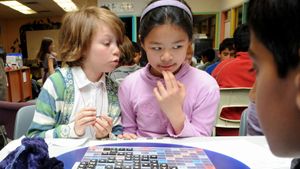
x: 220, y: 161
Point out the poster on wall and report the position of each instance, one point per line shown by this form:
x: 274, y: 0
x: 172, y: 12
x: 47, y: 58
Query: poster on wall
x: 120, y: 7
x: 227, y: 30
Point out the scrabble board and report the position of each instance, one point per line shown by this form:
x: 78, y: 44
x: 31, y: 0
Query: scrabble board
x: 131, y: 157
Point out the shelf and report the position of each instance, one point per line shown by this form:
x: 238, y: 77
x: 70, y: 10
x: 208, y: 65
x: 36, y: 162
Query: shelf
x: 19, y: 84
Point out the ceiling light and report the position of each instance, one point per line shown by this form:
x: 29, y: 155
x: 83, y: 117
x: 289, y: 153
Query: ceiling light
x: 18, y: 7
x: 66, y: 5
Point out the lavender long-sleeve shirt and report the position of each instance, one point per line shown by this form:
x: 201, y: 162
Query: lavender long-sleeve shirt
x: 142, y: 115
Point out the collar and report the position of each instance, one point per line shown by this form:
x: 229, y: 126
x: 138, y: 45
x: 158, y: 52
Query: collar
x: 81, y: 79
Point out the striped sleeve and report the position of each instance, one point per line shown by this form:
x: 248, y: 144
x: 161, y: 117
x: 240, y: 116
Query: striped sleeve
x: 49, y: 109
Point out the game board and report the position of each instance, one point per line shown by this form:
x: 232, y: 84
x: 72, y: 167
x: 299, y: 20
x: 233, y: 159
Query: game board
x: 120, y: 157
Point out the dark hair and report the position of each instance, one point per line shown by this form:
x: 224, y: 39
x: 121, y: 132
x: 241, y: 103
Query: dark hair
x: 44, y: 49
x: 241, y: 37
x: 227, y: 43
x: 137, y: 48
x: 163, y: 15
x: 276, y: 23
x: 144, y: 59
x: 210, y: 54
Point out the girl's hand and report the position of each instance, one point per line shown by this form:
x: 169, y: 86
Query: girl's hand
x: 84, y: 118
x: 103, y: 126
x: 127, y: 136
x: 171, y: 97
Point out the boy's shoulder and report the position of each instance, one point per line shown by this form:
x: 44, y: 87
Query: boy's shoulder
x: 59, y: 77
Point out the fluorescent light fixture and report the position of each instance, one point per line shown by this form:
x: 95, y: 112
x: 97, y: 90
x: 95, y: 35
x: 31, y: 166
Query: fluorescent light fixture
x: 66, y: 5
x: 18, y: 7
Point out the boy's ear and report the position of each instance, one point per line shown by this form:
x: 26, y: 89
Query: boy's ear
x: 219, y: 55
x: 297, y: 85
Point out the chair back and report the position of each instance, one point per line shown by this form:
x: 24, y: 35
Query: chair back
x: 231, y: 98
x: 8, y: 111
x: 23, y: 120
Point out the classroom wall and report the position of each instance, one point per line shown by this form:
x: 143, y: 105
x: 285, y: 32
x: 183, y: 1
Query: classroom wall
x: 10, y: 34
x: 228, y: 4
x: 197, y: 6
x: 9, y: 29
x: 83, y: 3
x: 2, y: 41
x: 204, y: 6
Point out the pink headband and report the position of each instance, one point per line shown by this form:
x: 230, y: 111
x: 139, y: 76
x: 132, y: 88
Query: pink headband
x: 160, y: 3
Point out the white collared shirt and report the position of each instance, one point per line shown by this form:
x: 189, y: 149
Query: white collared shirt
x: 89, y: 94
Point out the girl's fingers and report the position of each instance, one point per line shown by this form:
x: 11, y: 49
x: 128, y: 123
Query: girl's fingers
x: 87, y: 121
x: 128, y: 136
x: 180, y: 85
x: 132, y: 136
x: 161, y: 89
x: 89, y: 109
x: 86, y: 112
x: 100, y: 129
x: 173, y: 80
x: 167, y: 80
x: 170, y: 81
x: 157, y: 94
x: 108, y: 119
x: 103, y: 124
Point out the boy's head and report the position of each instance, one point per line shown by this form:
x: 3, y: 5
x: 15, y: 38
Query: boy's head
x: 275, y: 50
x: 241, y: 38
x: 226, y: 49
x: 128, y: 54
x: 78, y: 29
x: 208, y: 55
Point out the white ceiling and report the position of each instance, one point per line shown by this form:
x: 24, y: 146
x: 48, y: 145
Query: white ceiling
x: 45, y: 8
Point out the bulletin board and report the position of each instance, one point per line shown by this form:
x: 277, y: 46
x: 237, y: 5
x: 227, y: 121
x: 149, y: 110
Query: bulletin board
x: 34, y: 39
